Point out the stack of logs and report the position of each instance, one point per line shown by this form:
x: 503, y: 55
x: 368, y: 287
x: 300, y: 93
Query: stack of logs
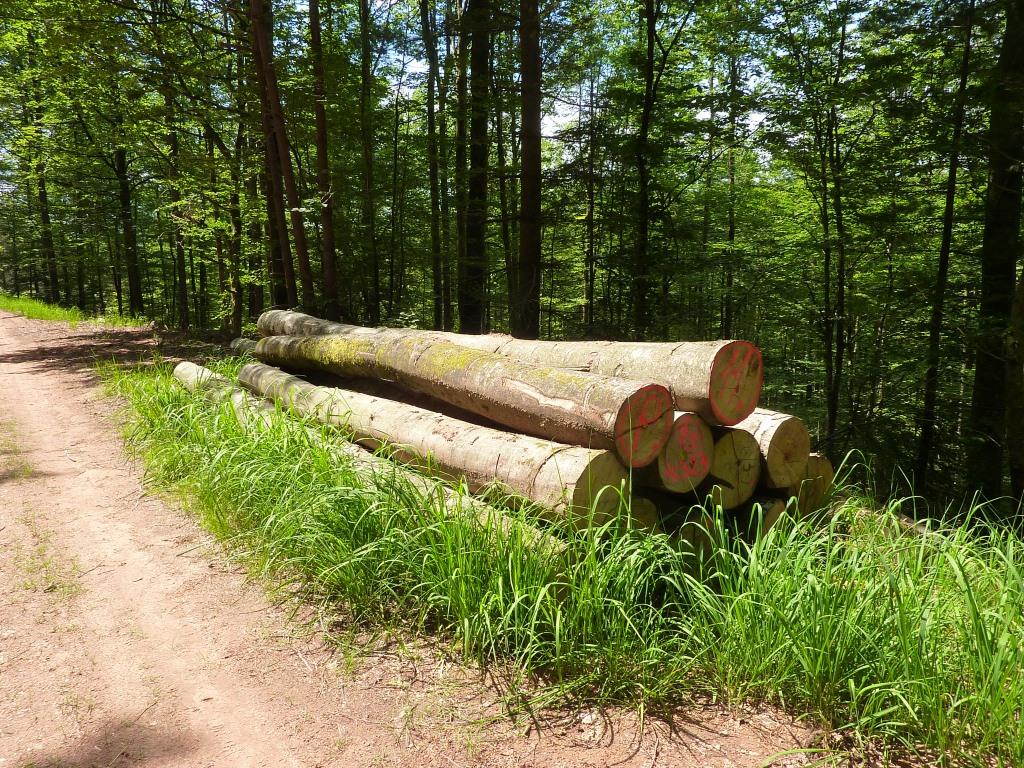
x: 573, y: 427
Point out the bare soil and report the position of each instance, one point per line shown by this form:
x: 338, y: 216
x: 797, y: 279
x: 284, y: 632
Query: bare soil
x: 128, y: 638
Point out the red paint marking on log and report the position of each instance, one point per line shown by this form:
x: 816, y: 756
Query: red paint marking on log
x: 727, y: 403
x: 693, y: 461
x: 652, y: 406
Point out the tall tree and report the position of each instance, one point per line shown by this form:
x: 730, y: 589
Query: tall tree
x: 525, y: 306
x: 473, y: 267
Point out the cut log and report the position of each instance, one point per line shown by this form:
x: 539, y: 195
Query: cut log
x: 644, y: 514
x: 735, y: 468
x: 370, y: 468
x: 758, y: 516
x: 784, y: 443
x: 719, y: 380
x: 565, y: 481
x: 812, y: 490
x: 584, y: 409
x: 685, y: 460
x: 243, y: 346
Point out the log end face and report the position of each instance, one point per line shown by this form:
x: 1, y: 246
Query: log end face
x: 737, y: 375
x: 597, y: 495
x: 786, y: 461
x: 685, y: 460
x: 643, y: 425
x: 735, y: 469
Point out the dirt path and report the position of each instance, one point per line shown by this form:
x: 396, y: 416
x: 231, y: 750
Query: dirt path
x: 127, y: 639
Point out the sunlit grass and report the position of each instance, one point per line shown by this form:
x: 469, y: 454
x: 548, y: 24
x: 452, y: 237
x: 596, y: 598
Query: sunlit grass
x: 40, y: 310
x: 846, y: 618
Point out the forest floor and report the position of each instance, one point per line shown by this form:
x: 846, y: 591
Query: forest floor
x: 128, y: 637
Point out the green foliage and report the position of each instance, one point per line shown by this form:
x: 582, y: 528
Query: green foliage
x: 916, y: 639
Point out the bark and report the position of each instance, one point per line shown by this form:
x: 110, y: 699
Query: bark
x: 473, y: 266
x: 632, y: 417
x: 1000, y: 251
x: 280, y: 268
x: 366, y: 131
x: 243, y: 346
x: 719, y: 380
x: 735, y: 468
x: 328, y: 249
x: 566, y: 481
x: 528, y: 278
x: 640, y: 279
x: 128, y: 232
x: 461, y: 146
x: 815, y: 485
x: 261, y: 24
x: 784, y: 443
x: 177, y: 234
x: 46, y: 235
x: 931, y: 377
x: 372, y: 470
x: 433, y: 172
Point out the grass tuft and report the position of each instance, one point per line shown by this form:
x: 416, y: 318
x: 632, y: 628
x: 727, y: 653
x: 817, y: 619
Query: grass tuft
x: 882, y: 634
x: 40, y: 310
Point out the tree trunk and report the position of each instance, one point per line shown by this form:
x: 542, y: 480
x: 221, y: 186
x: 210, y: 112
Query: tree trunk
x: 1000, y: 251
x: 433, y: 77
x: 719, y: 380
x: 931, y: 376
x: 565, y: 481
x: 581, y: 408
x: 328, y: 250
x: 473, y: 266
x: 461, y: 146
x: 260, y: 19
x: 784, y: 443
x: 177, y: 233
x: 640, y: 277
x: 366, y: 132
x: 530, y: 227
x: 129, y: 235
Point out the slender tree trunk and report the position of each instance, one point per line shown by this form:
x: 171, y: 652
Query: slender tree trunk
x: 640, y: 278
x: 528, y: 278
x: 473, y: 268
x: 328, y: 250
x: 514, y: 308
x: 436, y: 265
x: 461, y: 143
x: 728, y: 303
x: 261, y: 23
x: 591, y: 258
x: 999, y: 364
x: 131, y: 248
x: 931, y: 377
x: 177, y: 234
x: 447, y: 315
x: 367, y: 137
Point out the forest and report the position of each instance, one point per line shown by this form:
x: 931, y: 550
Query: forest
x: 836, y: 181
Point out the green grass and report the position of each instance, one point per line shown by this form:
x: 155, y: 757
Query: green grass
x: 40, y: 310
x: 913, y: 641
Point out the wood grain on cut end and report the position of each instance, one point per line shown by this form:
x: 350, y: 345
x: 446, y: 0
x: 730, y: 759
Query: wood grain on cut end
x: 599, y: 489
x: 735, y: 469
x: 643, y: 424
x: 737, y: 374
x: 685, y: 460
x: 817, y: 481
x: 784, y: 443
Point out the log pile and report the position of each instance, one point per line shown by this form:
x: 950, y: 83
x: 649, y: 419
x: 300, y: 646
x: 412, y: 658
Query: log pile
x: 580, y: 429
